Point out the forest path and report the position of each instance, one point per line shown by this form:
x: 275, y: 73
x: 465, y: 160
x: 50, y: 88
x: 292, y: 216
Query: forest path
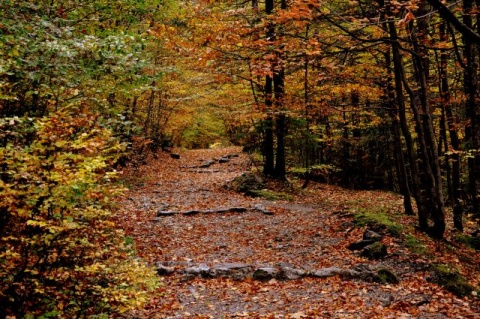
x: 169, y: 212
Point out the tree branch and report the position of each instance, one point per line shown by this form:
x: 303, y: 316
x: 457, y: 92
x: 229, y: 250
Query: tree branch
x: 448, y: 15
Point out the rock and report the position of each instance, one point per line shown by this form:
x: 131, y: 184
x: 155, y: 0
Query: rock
x: 162, y: 213
x: 291, y: 273
x: 191, y: 212
x: 449, y: 278
x: 329, y: 272
x: 201, y: 270
x: 387, y: 276
x: 361, y: 244
x: 282, y: 271
x: 223, y: 160
x: 376, y: 250
x: 260, y: 208
x: 346, y: 225
x: 231, y: 266
x: 365, y: 273
x: 248, y: 182
x: 265, y: 273
x: 175, y: 155
x: 165, y: 213
x: 362, y: 268
x: 163, y: 270
x: 237, y: 271
x: 207, y: 164
x: 371, y: 235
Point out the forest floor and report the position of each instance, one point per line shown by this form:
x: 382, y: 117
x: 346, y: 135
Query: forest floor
x: 185, y: 219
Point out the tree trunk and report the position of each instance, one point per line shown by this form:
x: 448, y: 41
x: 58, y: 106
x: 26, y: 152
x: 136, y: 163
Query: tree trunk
x: 454, y: 140
x: 470, y: 89
x: 268, y: 143
x: 428, y: 150
x: 429, y: 193
x: 281, y: 122
x: 398, y: 79
x: 399, y: 156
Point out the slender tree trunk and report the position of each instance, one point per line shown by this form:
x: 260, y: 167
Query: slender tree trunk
x: 426, y: 135
x: 346, y: 169
x: 470, y: 88
x: 268, y: 143
x: 281, y: 120
x: 429, y: 194
x: 306, y: 101
x: 443, y: 151
x: 280, y: 160
x: 477, y: 115
x: 397, y: 107
x: 399, y: 156
x: 454, y: 140
x: 400, y: 98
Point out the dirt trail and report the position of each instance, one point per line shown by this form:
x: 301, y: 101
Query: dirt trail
x: 311, y: 231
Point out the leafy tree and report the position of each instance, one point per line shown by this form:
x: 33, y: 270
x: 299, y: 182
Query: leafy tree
x: 67, y: 70
x: 61, y: 255
x: 384, y: 92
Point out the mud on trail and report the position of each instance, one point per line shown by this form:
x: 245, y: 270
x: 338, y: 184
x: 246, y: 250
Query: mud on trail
x: 222, y: 254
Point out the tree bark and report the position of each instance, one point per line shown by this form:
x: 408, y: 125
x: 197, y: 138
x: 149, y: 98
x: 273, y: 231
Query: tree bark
x: 470, y: 89
x: 268, y: 143
x: 281, y: 120
x: 398, y: 149
x: 428, y: 151
x: 398, y: 79
x: 454, y: 140
x: 429, y: 193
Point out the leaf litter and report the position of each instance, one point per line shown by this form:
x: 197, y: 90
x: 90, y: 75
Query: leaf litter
x: 309, y: 231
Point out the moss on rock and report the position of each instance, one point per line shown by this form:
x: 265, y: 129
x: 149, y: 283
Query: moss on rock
x: 376, y: 250
x: 449, y: 278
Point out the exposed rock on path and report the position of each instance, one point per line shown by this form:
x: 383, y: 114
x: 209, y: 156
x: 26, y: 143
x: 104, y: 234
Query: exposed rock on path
x: 282, y: 271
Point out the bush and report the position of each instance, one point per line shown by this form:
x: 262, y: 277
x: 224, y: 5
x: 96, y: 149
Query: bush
x: 60, y: 253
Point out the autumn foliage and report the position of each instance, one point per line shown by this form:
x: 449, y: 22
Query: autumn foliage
x: 63, y: 67
x: 372, y: 94
x: 61, y: 255
x: 361, y: 94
